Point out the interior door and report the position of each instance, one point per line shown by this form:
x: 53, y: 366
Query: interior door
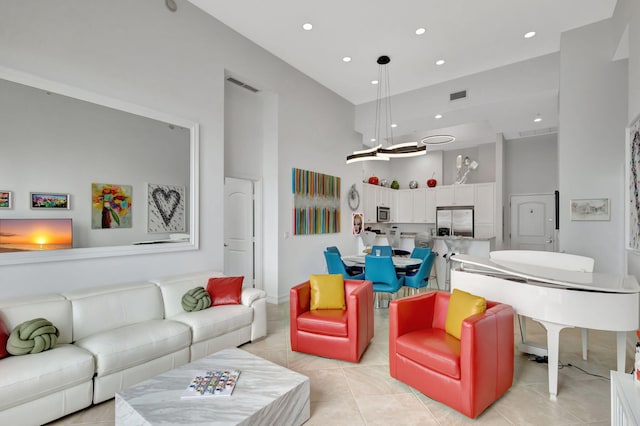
x: 239, y: 229
x: 532, y: 222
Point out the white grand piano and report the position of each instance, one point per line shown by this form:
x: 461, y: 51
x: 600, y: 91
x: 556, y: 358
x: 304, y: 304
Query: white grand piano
x: 538, y: 286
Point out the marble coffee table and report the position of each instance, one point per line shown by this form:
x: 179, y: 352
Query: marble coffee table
x: 265, y: 394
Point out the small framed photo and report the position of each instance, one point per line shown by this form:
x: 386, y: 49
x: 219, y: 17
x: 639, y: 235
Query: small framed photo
x: 6, y: 199
x: 44, y: 200
x: 590, y: 209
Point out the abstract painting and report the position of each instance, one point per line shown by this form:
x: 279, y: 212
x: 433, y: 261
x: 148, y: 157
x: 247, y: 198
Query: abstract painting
x: 111, y: 206
x: 633, y: 179
x: 166, y: 208
x: 316, y: 202
x: 5, y: 199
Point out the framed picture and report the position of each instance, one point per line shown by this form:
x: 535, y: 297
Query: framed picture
x: 165, y: 208
x: 632, y: 179
x: 44, y: 200
x: 111, y: 206
x: 357, y: 223
x: 590, y: 209
x: 6, y: 199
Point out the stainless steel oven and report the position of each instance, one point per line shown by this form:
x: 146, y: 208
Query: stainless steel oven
x: 384, y: 214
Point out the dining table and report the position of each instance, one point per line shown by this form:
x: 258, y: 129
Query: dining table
x: 401, y: 263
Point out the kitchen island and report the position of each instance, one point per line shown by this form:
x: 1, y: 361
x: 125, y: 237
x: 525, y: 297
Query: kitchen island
x: 445, y: 246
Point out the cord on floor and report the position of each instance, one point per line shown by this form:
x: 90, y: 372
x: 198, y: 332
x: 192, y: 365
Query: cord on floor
x: 561, y: 365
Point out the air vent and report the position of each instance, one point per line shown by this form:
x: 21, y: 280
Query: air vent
x: 458, y: 95
x: 241, y: 84
x: 538, y: 132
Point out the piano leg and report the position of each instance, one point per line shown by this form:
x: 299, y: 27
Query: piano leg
x: 585, y: 343
x: 553, y: 350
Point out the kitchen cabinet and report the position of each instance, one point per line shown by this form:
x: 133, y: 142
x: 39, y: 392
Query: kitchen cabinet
x: 369, y: 203
x: 374, y: 196
x: 430, y: 209
x: 455, y: 195
x: 484, y: 210
x: 411, y: 206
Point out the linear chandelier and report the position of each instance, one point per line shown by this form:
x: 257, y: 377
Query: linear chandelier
x: 400, y: 150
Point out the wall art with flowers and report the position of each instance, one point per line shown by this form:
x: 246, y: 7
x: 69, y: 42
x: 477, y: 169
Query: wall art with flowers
x: 111, y: 206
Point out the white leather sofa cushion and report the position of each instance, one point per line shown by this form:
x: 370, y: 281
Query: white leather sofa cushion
x: 135, y: 344
x: 173, y: 288
x: 215, y: 321
x: 110, y: 307
x: 29, y: 377
x: 53, y: 307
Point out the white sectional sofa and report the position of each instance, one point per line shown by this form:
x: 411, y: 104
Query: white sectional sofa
x: 112, y: 337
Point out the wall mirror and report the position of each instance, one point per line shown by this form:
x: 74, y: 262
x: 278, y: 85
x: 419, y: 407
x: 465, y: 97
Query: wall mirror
x: 124, y: 176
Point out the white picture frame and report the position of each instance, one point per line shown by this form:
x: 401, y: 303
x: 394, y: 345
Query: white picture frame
x: 6, y: 199
x: 590, y: 209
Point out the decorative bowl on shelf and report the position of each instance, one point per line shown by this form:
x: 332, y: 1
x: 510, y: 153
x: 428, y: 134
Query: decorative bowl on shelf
x: 431, y: 182
x: 384, y: 183
x: 395, y: 185
x: 413, y: 184
x: 373, y: 180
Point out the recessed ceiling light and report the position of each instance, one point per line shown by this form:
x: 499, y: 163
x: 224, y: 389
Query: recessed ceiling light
x: 307, y: 27
x: 440, y: 62
x: 537, y: 119
x: 420, y: 31
x: 372, y: 139
x: 529, y: 34
x: 437, y: 116
x: 394, y: 125
x: 374, y: 82
x: 346, y: 59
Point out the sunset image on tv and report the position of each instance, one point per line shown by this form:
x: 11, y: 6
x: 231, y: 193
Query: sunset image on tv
x: 35, y: 234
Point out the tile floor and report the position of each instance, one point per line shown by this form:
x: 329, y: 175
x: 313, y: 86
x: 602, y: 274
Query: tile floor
x: 343, y: 393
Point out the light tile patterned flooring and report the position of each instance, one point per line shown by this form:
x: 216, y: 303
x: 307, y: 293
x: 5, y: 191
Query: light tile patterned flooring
x: 343, y: 393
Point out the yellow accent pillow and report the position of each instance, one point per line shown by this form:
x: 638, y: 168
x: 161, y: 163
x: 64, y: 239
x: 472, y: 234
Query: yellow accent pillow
x: 461, y: 306
x: 327, y: 291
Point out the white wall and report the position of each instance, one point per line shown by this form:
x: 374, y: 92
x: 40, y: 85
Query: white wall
x: 141, y: 53
x: 593, y: 116
x: 483, y: 154
x: 531, y: 165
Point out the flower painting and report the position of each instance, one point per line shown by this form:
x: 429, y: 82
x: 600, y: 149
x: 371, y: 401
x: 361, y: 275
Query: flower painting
x: 111, y: 206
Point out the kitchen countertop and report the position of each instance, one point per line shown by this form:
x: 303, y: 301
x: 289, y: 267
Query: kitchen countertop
x: 463, y: 238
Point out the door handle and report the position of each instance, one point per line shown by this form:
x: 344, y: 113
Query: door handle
x: 549, y: 241
x: 226, y: 245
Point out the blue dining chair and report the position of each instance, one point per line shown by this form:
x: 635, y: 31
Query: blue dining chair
x: 419, y: 278
x: 351, y: 270
x: 420, y: 253
x: 384, y: 251
x: 336, y: 266
x: 380, y: 271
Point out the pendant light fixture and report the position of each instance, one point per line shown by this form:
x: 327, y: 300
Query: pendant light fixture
x: 384, y: 120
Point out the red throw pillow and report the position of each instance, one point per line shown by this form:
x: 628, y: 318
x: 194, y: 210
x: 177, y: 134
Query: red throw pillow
x: 225, y: 290
x: 4, y: 336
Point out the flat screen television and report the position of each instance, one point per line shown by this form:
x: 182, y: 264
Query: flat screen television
x: 35, y: 234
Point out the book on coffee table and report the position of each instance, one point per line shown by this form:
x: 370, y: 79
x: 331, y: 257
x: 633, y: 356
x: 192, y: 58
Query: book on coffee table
x: 212, y: 383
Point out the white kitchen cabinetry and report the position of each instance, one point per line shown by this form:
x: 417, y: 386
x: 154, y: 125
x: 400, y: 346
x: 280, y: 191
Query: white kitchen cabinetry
x: 369, y: 203
x: 374, y: 196
x: 484, y: 210
x: 430, y: 210
x: 411, y: 206
x: 454, y: 195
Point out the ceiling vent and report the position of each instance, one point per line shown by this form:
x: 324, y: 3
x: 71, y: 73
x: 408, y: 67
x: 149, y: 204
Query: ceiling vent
x: 241, y: 84
x: 458, y: 95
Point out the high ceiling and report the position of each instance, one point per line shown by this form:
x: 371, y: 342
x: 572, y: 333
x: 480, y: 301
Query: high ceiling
x: 469, y: 35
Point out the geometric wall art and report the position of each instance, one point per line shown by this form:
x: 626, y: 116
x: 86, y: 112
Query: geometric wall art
x: 632, y: 210
x: 165, y: 208
x: 316, y: 202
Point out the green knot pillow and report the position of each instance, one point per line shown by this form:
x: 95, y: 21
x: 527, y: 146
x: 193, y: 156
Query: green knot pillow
x: 196, y: 299
x: 32, y: 337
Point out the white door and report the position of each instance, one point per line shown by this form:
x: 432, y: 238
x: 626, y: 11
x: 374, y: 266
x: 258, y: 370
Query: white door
x: 239, y: 229
x: 533, y: 222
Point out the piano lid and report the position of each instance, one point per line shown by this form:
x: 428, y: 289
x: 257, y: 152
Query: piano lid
x: 591, y: 281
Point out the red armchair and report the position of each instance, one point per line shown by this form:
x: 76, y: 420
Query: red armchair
x: 468, y: 374
x: 333, y: 333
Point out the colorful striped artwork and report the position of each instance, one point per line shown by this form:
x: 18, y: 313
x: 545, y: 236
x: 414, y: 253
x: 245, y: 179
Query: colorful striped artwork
x: 316, y: 202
